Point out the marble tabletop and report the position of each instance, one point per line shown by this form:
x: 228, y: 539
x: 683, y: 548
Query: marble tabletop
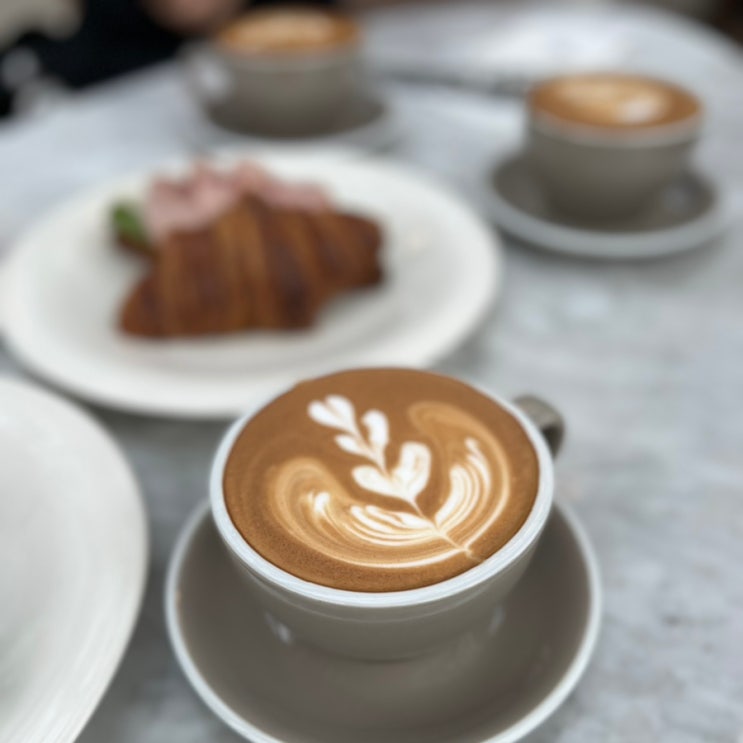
x: 644, y: 359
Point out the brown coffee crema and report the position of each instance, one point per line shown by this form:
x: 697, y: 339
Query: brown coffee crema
x: 613, y: 101
x: 380, y: 479
x: 288, y: 31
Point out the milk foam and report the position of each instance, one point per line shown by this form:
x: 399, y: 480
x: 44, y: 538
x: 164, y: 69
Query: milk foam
x: 311, y: 502
x: 287, y: 29
x: 614, y: 101
x: 290, y: 27
x: 380, y: 479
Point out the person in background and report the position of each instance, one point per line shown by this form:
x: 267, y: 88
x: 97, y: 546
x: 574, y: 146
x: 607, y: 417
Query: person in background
x: 113, y: 37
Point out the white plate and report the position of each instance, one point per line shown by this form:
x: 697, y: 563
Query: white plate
x: 66, y: 283
x: 690, y: 213
x: 73, y: 551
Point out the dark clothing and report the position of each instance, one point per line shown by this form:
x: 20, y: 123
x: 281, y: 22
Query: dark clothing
x: 114, y: 37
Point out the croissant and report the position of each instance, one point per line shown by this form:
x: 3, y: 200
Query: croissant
x: 256, y: 266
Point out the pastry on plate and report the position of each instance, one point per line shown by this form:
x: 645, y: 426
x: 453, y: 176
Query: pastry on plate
x: 241, y: 250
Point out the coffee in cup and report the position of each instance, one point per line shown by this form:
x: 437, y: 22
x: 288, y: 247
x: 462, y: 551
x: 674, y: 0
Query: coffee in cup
x: 288, y: 31
x: 604, y: 145
x: 379, y: 513
x: 615, y: 102
x: 383, y: 481
x: 284, y: 71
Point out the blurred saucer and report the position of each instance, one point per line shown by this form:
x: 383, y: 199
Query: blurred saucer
x: 270, y: 689
x: 370, y: 123
x: 688, y: 214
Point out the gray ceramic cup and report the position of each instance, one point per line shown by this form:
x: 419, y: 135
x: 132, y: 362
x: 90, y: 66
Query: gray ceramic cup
x: 400, y: 624
x: 597, y: 173
x: 276, y: 94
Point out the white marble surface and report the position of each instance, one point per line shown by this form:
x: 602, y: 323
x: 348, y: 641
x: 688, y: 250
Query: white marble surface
x: 645, y: 360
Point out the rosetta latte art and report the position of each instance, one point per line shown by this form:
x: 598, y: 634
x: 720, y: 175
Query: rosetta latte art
x: 312, y: 504
x: 380, y: 479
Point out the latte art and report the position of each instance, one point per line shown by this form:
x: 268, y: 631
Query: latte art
x: 311, y: 502
x: 380, y: 496
x: 613, y: 100
x: 288, y: 31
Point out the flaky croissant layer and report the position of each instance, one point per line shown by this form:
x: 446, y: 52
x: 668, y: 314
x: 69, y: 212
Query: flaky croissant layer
x: 256, y: 266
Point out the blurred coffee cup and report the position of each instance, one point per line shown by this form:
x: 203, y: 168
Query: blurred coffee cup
x: 605, y: 145
x: 283, y: 71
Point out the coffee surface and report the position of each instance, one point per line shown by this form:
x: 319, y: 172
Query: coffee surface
x: 615, y: 101
x: 289, y: 30
x: 380, y: 479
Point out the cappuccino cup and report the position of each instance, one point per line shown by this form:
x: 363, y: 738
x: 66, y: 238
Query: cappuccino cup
x: 382, y: 514
x: 288, y: 71
x: 604, y: 145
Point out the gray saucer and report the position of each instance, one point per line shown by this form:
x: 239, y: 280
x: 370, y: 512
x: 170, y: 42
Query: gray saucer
x: 689, y: 213
x: 268, y: 688
x: 370, y: 122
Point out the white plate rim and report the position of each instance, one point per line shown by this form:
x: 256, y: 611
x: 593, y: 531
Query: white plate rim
x: 516, y: 732
x: 105, y: 659
x: 587, y: 243
x: 440, y: 344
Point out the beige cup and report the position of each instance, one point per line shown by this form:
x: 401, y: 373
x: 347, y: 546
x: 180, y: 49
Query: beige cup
x: 599, y: 173
x: 276, y: 93
x: 399, y: 624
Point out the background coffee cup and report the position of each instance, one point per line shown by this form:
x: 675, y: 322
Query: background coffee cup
x: 294, y: 93
x: 401, y: 624
x: 600, y: 173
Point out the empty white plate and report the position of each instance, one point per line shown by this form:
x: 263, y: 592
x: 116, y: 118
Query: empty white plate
x: 66, y: 282
x: 73, y: 557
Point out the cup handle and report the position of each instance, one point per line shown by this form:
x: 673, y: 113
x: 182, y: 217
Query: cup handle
x: 546, y: 419
x: 206, y: 78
